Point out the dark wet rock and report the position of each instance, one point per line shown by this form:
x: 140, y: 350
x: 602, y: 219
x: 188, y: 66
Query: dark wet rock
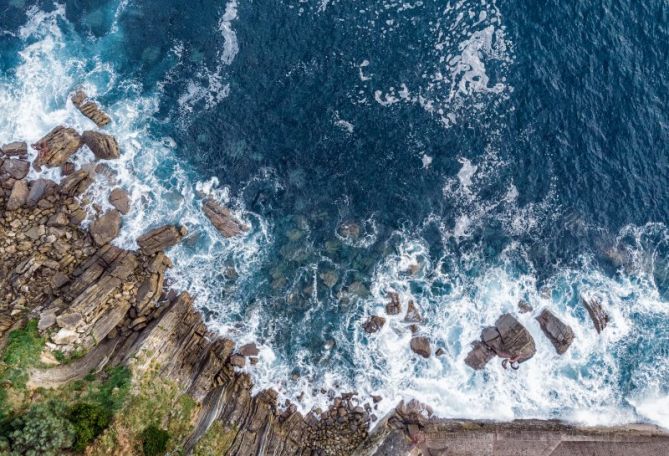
x: 161, y: 239
x: 40, y: 188
x: 479, y: 355
x: 120, y: 199
x: 560, y: 334
x: 393, y: 307
x: 103, y: 146
x: 90, y: 109
x: 15, y: 168
x: 15, y: 149
x: 67, y: 168
x: 18, y: 196
x: 249, y: 350
x: 106, y: 228
x: 413, y: 314
x: 509, y: 339
x: 57, y: 147
x: 77, y: 183
x: 373, y: 324
x: 524, y: 307
x: 421, y: 346
x: 222, y: 219
x: 597, y: 314
x: 440, y: 352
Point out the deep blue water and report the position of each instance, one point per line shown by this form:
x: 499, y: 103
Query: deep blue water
x: 509, y: 150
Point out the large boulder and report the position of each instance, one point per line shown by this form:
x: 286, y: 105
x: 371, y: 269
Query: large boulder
x: 103, y: 146
x: 161, y: 239
x: 420, y: 345
x: 120, y: 199
x: 373, y: 324
x: 76, y: 183
x: 18, y: 196
x: 57, y: 147
x: 106, y: 228
x: 15, y: 149
x: 597, y: 314
x: 15, y: 168
x: 222, y: 219
x: 39, y: 188
x: 479, y: 356
x: 90, y: 109
x: 509, y: 339
x: 560, y: 334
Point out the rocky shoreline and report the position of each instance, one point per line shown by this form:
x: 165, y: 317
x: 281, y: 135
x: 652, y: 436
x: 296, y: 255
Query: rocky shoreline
x: 112, y: 307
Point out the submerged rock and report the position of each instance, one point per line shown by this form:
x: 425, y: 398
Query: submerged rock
x: 373, y: 324
x: 421, y: 346
x: 412, y: 315
x: 560, y: 334
x: 57, y: 147
x: 524, y: 306
x: 597, y: 314
x: 103, y: 146
x: 222, y: 219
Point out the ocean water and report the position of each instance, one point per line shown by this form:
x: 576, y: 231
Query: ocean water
x: 487, y: 151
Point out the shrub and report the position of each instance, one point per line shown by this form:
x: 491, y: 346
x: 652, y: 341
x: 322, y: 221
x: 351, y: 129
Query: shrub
x: 42, y: 430
x: 154, y: 441
x: 89, y: 420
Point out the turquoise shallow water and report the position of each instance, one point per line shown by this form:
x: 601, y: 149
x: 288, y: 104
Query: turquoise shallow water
x: 487, y: 152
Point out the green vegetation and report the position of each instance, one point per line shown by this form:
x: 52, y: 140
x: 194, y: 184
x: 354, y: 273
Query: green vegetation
x: 21, y: 353
x: 217, y: 440
x: 154, y: 441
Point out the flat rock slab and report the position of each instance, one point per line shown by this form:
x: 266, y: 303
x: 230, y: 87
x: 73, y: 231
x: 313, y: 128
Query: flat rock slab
x: 222, y: 219
x: 103, y: 146
x: 90, y: 109
x: 160, y: 239
x: 57, y: 147
x: 560, y: 334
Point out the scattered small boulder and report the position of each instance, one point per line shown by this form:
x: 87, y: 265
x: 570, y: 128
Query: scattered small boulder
x: 103, y: 146
x: 413, y: 314
x: 120, y: 199
x: 560, y: 334
x: 421, y: 346
x: 393, y: 307
x: 222, y: 219
x: 15, y: 149
x: 507, y: 339
x: 373, y: 324
x: 440, y: 352
x: 106, y: 228
x: 18, y: 196
x: 161, y: 239
x: 90, y: 109
x: 15, y: 168
x: 57, y: 147
x: 597, y: 314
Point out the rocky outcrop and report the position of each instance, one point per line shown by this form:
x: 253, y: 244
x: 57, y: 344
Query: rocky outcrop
x: 373, y: 324
x: 507, y: 339
x: 597, y: 314
x: 560, y: 334
x: 161, y: 239
x: 57, y: 147
x: 222, y: 219
x: 103, y: 146
x: 90, y: 109
x: 76, y: 183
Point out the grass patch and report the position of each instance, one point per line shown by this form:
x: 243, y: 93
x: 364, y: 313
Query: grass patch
x: 217, y: 440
